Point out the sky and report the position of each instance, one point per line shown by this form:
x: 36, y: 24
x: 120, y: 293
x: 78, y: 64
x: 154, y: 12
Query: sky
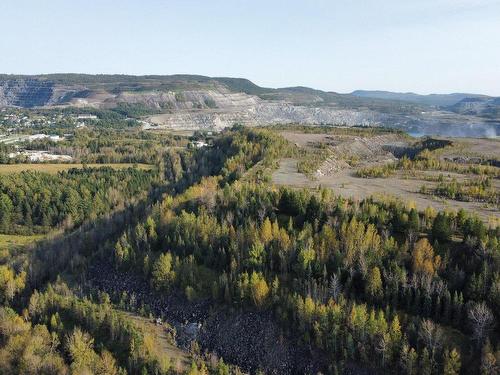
x: 423, y: 46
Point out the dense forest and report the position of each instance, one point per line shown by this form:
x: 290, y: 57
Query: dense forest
x: 36, y: 202
x: 368, y: 286
x: 98, y: 145
x: 372, y: 282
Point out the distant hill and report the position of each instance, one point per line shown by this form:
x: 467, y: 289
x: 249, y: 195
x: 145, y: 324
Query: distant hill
x: 194, y: 101
x: 108, y: 90
x: 435, y: 100
x: 484, y: 107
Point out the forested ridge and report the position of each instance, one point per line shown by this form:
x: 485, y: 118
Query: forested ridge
x: 371, y: 285
x: 370, y: 282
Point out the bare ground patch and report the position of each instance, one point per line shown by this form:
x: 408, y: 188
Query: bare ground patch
x: 486, y: 147
x: 345, y: 183
x: 342, y: 151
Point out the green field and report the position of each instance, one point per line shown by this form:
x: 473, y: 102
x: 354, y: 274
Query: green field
x: 58, y: 167
x: 9, y: 241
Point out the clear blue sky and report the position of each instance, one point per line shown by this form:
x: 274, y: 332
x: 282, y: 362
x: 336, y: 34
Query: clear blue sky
x: 339, y: 45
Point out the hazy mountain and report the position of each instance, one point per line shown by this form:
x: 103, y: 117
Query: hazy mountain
x: 484, y: 107
x: 436, y: 100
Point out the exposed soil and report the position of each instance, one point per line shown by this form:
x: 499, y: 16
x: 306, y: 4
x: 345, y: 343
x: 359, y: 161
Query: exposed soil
x: 349, y: 152
x: 346, y: 149
x: 345, y: 183
x: 484, y: 147
x: 345, y: 142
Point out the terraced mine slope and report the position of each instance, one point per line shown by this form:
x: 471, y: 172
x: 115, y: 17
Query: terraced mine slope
x: 198, y: 102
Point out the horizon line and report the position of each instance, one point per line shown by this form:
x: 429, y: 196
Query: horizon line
x: 402, y: 92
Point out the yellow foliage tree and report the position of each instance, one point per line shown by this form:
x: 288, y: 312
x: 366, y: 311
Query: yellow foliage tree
x: 424, y: 261
x: 10, y: 283
x: 163, y: 272
x: 258, y: 289
x: 266, y: 231
x: 374, y: 283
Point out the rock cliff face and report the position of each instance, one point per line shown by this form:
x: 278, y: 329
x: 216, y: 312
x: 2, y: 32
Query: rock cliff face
x: 25, y: 92
x: 263, y: 113
x: 214, y: 105
x: 193, y: 102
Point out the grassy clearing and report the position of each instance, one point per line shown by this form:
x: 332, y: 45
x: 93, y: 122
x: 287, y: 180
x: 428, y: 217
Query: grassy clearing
x: 180, y: 359
x: 9, y: 241
x: 55, y: 168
